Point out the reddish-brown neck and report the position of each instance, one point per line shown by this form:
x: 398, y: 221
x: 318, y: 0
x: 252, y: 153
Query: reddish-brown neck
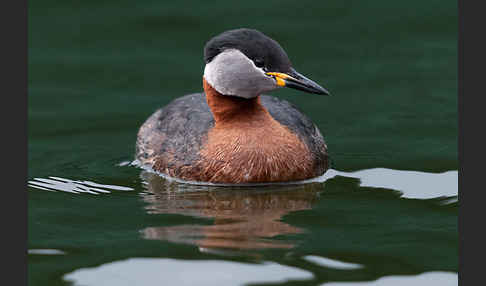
x: 232, y: 109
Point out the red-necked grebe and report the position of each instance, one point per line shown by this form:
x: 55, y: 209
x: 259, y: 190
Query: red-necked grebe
x: 232, y: 133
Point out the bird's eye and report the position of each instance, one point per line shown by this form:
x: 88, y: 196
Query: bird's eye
x: 259, y: 63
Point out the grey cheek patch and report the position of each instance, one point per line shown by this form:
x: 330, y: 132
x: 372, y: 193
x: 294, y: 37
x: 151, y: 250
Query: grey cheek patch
x: 232, y: 73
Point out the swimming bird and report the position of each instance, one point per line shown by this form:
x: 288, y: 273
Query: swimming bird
x: 232, y: 133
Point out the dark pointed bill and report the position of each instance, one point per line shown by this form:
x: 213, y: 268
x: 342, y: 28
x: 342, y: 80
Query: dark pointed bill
x: 295, y: 80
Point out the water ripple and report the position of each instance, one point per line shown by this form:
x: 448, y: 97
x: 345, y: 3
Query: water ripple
x: 411, y: 184
x: 425, y: 279
x: 54, y: 184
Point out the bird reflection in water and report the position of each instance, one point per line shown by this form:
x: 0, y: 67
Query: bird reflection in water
x: 245, y: 218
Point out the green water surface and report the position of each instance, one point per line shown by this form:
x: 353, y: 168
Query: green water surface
x: 98, y: 69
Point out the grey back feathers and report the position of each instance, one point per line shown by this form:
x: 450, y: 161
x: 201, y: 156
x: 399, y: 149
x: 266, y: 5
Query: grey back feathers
x: 179, y: 130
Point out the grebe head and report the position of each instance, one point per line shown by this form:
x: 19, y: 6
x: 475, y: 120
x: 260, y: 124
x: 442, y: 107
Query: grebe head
x: 247, y: 63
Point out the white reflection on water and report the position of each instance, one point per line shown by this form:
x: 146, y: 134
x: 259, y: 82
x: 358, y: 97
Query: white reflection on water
x: 166, y: 271
x: 412, y: 184
x: 435, y: 278
x: 71, y: 186
x: 331, y: 263
x: 46, y: 251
